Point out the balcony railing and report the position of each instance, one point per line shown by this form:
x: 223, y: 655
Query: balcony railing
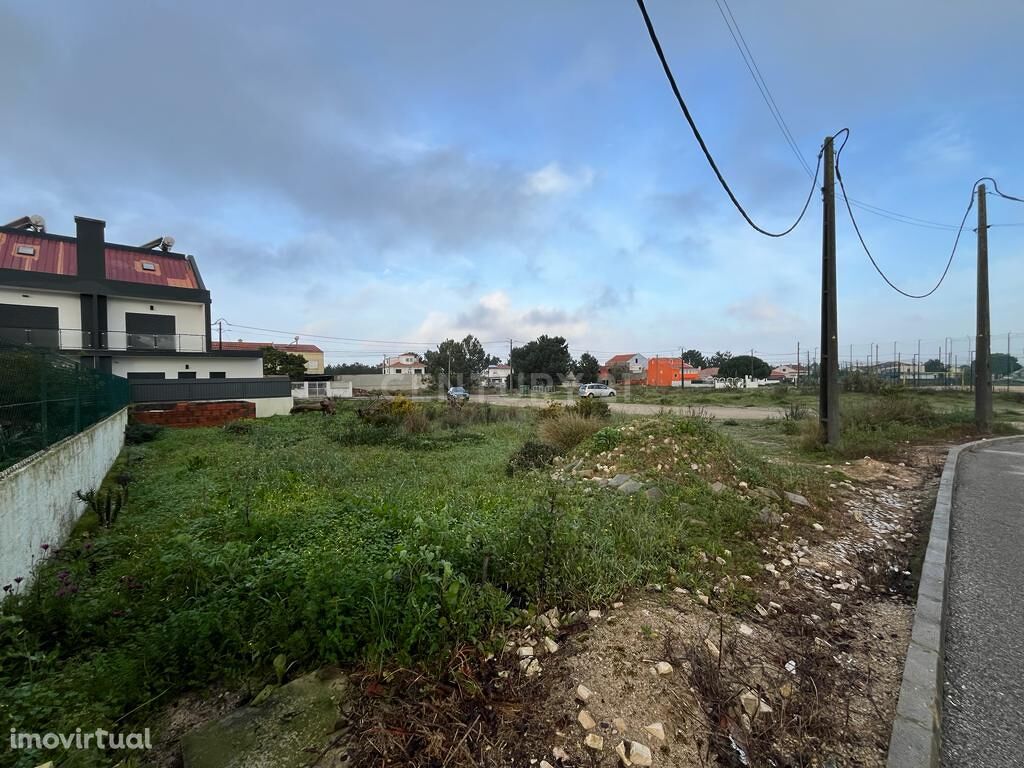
x: 118, y: 341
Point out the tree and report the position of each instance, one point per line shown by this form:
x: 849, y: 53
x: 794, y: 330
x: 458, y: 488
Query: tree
x: 587, y: 369
x: 716, y: 360
x: 351, y: 369
x: 277, y: 362
x: 544, y: 356
x: 1000, y: 364
x: 934, y: 366
x: 465, y: 359
x: 618, y: 373
x: 744, y: 365
x: 695, y: 358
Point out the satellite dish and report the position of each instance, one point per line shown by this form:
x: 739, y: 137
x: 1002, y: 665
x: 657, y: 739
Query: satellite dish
x: 167, y: 243
x: 38, y: 222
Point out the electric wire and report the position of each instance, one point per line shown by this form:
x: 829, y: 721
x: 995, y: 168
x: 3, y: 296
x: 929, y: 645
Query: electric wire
x: 864, y: 245
x: 704, y: 147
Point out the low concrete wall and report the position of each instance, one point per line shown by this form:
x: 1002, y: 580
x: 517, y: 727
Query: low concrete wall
x: 273, y: 406
x: 394, y: 382
x: 37, y: 496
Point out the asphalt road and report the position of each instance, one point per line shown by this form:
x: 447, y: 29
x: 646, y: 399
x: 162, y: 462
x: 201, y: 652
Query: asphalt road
x: 983, y: 716
x: 753, y: 413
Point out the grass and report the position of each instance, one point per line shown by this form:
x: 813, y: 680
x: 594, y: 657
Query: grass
x: 348, y: 540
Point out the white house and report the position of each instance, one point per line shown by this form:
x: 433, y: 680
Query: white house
x: 636, y: 362
x: 406, y: 363
x: 133, y: 311
x: 495, y: 375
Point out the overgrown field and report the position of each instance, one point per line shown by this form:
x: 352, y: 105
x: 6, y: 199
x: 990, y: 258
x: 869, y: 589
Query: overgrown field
x: 391, y: 538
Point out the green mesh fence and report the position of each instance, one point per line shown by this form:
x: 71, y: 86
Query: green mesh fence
x: 45, y: 397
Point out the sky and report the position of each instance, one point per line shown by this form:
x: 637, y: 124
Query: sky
x: 377, y: 177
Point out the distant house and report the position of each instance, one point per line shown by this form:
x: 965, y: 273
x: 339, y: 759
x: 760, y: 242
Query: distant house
x: 495, y: 375
x: 706, y: 374
x: 669, y: 372
x: 405, y: 363
x: 636, y: 362
x: 313, y: 354
x: 787, y: 373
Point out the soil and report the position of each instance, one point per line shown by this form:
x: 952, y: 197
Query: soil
x: 807, y: 676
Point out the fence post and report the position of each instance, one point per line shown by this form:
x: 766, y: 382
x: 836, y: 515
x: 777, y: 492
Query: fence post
x: 42, y: 401
x: 78, y: 397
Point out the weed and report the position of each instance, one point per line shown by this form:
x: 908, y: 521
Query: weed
x: 106, y: 504
x: 137, y: 432
x: 532, y: 455
x: 567, y: 431
x: 591, y: 408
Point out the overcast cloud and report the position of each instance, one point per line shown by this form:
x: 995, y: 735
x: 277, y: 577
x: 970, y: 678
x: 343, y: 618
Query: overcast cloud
x: 405, y: 171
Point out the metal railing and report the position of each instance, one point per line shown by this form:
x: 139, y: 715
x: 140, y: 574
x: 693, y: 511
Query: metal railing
x: 46, y: 397
x: 118, y: 341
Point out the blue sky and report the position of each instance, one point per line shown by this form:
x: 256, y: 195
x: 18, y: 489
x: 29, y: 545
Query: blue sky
x: 411, y: 171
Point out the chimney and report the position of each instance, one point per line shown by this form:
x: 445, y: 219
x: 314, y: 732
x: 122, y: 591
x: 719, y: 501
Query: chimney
x: 92, y: 263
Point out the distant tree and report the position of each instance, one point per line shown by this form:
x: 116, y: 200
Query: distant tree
x: 544, y: 356
x: 587, y: 369
x: 1001, y: 364
x: 744, y: 365
x: 465, y: 359
x: 695, y: 358
x: 716, y: 360
x: 351, y: 369
x: 277, y: 362
x: 619, y: 372
x: 934, y: 366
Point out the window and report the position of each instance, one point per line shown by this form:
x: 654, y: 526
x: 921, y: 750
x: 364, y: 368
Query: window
x: 398, y: 370
x: 218, y: 375
x: 186, y: 374
x: 317, y: 388
x: 21, y: 324
x: 143, y: 375
x: 28, y: 251
x: 149, y: 266
x: 150, y: 331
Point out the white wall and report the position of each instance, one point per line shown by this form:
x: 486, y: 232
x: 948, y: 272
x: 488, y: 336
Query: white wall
x: 37, y: 496
x: 396, y: 382
x: 272, y: 406
x: 69, y: 310
x: 170, y: 365
x: 189, y: 320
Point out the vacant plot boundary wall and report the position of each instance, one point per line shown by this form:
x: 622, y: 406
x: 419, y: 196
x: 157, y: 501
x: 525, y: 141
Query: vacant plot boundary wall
x: 37, y: 496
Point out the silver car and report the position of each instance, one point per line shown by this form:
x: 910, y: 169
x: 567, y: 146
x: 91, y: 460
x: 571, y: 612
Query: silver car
x: 596, y: 390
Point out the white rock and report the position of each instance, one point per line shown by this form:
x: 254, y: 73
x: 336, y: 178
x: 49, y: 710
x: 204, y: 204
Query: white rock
x: 720, y: 560
x: 753, y: 704
x: 656, y: 731
x: 550, y: 645
x: 746, y: 630
x: 533, y: 668
x: 583, y: 693
x: 791, y: 667
x: 616, y: 605
x: 663, y: 668
x: 594, y: 742
x: 586, y: 720
x: 818, y: 527
x: 560, y: 754
x: 594, y: 613
x: 836, y: 607
x: 525, y: 651
x: 743, y: 485
x: 546, y: 764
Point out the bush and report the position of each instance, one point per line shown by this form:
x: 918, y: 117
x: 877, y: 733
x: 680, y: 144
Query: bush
x: 136, y: 432
x: 591, y: 408
x: 606, y: 439
x: 386, y: 413
x: 416, y: 422
x: 550, y: 411
x: 567, y: 431
x: 532, y: 455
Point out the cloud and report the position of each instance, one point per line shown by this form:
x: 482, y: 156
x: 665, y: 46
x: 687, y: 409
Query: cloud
x: 764, y: 314
x: 946, y: 147
x: 552, y: 180
x: 494, y: 317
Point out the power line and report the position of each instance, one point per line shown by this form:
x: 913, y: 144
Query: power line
x: 853, y: 220
x: 347, y: 338
x: 704, y: 146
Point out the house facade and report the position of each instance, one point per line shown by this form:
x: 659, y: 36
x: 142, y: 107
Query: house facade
x: 669, y: 372
x: 406, y: 363
x: 787, y: 373
x: 496, y: 376
x: 634, y: 361
x: 136, y: 312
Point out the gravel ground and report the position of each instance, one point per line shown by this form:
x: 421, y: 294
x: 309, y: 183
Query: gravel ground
x: 752, y: 413
x: 984, y: 654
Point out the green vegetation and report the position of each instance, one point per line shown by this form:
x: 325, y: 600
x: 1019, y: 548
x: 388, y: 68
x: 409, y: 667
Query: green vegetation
x: 351, y: 539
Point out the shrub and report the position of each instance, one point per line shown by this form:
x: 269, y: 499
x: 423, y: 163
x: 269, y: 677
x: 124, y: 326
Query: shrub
x: 416, y: 422
x: 387, y: 413
x: 567, y: 431
x: 238, y: 427
x: 532, y: 455
x: 136, y: 432
x: 591, y: 408
x: 550, y: 411
x: 606, y: 439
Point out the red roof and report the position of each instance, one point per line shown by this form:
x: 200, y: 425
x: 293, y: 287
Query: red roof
x: 621, y: 358
x: 265, y: 344
x: 60, y: 257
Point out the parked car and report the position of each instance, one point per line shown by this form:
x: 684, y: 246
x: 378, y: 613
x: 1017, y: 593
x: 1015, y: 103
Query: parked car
x: 458, y: 395
x: 596, y: 390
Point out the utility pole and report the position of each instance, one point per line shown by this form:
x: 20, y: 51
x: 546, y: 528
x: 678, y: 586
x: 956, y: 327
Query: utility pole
x: 982, y: 359
x: 220, y: 334
x: 511, y: 370
x: 828, y: 372
x: 1007, y: 362
x: 682, y: 370
x: 917, y: 367
x: 798, y: 364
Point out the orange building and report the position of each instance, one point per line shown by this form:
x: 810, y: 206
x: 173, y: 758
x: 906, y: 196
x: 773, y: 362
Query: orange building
x: 665, y: 372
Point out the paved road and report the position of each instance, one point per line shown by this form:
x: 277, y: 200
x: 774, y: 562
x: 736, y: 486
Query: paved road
x: 983, y: 716
x: 753, y: 413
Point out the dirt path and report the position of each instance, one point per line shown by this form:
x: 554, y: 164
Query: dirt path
x: 751, y: 413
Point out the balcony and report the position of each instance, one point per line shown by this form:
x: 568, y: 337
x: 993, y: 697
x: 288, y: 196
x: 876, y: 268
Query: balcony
x: 75, y: 339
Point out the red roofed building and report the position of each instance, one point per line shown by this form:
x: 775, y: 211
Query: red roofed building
x: 134, y: 311
x: 313, y: 354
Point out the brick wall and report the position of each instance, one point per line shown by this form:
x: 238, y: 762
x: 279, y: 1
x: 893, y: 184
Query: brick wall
x: 195, y: 414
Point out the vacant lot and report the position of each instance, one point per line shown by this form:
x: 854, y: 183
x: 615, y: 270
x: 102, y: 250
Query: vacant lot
x: 309, y: 540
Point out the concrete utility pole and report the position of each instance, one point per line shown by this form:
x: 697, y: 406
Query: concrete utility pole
x: 511, y: 370
x: 982, y: 359
x: 798, y: 363
x: 828, y: 397
x: 682, y: 370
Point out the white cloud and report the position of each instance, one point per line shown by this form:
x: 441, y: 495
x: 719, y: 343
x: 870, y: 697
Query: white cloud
x: 552, y: 180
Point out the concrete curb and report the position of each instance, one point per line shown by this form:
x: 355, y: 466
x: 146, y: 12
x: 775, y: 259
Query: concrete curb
x: 917, y: 730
